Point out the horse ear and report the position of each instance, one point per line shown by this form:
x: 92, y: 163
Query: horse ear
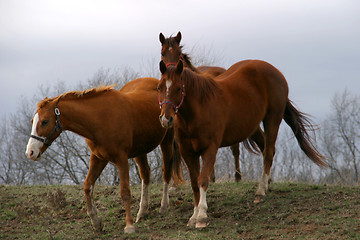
x: 178, y: 37
x: 179, y: 67
x: 161, y: 38
x: 162, y: 67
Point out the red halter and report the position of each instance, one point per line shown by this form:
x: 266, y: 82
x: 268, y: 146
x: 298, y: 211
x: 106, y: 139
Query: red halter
x: 170, y: 63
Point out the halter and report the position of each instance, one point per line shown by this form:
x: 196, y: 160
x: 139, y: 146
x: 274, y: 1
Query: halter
x: 56, y: 128
x: 172, y: 104
x: 174, y: 63
x: 170, y: 64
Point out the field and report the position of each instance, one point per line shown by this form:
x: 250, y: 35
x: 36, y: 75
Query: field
x: 290, y: 211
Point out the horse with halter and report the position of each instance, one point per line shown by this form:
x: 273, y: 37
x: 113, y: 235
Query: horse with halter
x: 116, y: 125
x: 208, y: 113
x: 171, y: 53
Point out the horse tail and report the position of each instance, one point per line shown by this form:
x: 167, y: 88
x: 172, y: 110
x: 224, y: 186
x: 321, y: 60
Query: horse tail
x: 251, y: 146
x: 300, y: 124
x: 176, y: 166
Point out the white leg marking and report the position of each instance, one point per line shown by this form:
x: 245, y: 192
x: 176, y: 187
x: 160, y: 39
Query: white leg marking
x: 192, y: 220
x: 144, y: 201
x: 33, y: 146
x: 263, y: 184
x: 165, y: 199
x: 202, y: 216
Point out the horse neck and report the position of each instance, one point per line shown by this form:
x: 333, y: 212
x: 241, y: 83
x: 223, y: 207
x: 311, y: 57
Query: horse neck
x: 76, y: 116
x: 196, y: 102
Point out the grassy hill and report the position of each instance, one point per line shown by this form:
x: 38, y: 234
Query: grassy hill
x: 291, y: 210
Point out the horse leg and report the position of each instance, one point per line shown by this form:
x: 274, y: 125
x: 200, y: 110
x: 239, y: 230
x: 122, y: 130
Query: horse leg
x: 236, y: 152
x: 212, y: 175
x: 271, y: 127
x: 167, y: 153
x: 95, y: 169
x: 145, y: 181
x: 123, y: 167
x: 192, y: 161
x: 208, y: 157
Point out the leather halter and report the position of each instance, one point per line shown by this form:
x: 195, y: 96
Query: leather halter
x: 176, y: 107
x: 56, y: 128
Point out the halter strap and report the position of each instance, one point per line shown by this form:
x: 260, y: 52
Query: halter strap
x: 56, y: 128
x: 176, y: 108
x: 170, y: 63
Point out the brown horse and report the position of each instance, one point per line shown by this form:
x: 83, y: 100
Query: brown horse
x: 211, y: 113
x: 171, y: 53
x: 116, y: 125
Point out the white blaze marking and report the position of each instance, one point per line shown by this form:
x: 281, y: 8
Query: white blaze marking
x: 33, y: 144
x: 168, y: 85
x: 35, y: 122
x: 170, y: 48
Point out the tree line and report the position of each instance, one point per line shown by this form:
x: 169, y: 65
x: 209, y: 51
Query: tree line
x: 66, y: 161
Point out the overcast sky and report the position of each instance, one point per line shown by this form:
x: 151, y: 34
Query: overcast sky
x: 315, y: 44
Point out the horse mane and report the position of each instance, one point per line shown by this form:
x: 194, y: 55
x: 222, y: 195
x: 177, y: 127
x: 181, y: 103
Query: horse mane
x: 202, y: 85
x: 78, y: 94
x: 187, y: 60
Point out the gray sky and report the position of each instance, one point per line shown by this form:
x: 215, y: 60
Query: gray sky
x: 316, y: 44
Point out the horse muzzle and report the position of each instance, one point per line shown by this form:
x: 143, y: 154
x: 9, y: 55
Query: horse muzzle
x: 166, y: 123
x: 35, y: 156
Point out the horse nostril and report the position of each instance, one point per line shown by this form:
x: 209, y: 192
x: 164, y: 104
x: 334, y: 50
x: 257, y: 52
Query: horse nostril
x: 171, y: 120
x: 31, y: 153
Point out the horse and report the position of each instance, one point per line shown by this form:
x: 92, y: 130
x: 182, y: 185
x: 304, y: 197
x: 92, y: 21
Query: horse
x: 116, y: 125
x: 208, y: 113
x: 171, y: 53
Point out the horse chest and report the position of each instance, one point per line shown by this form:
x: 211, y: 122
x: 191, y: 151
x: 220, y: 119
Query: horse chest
x: 194, y: 140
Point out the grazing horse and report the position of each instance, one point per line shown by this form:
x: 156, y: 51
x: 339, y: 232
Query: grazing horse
x: 171, y: 53
x: 210, y: 113
x: 116, y: 125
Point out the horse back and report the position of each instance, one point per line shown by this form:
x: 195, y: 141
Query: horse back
x: 130, y: 117
x: 251, y: 89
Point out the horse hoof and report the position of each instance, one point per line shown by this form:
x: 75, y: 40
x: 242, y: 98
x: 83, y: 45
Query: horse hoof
x: 201, y: 225
x: 97, y: 225
x: 191, y: 223
x: 259, y: 198
x: 163, y: 210
x: 141, y: 215
x: 130, y: 229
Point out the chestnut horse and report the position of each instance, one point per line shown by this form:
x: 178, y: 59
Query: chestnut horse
x: 171, y: 53
x: 116, y: 125
x: 210, y: 113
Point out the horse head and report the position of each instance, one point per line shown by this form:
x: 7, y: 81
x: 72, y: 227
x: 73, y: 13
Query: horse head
x: 45, y: 129
x: 171, y: 92
x: 170, y: 49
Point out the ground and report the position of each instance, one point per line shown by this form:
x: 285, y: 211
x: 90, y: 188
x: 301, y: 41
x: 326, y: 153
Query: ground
x: 290, y: 211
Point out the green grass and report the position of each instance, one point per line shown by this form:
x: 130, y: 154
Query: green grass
x: 290, y: 211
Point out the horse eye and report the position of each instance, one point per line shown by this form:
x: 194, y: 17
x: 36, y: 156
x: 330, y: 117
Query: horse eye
x: 178, y: 90
x: 162, y: 54
x: 44, y: 123
x: 159, y: 89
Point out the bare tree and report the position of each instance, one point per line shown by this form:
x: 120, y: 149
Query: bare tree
x: 341, y: 138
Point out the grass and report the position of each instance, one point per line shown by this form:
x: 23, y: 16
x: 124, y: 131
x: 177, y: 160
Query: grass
x: 290, y: 211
